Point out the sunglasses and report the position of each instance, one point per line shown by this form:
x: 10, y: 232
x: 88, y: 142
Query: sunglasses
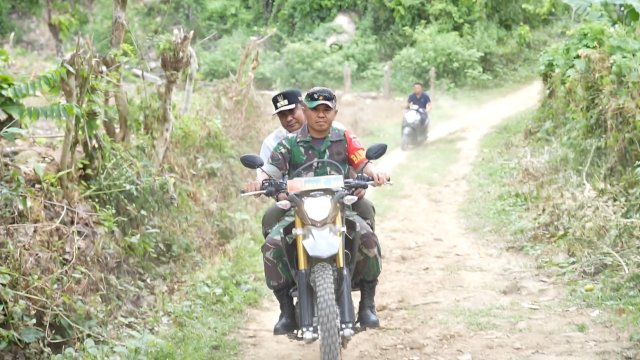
x: 320, y: 96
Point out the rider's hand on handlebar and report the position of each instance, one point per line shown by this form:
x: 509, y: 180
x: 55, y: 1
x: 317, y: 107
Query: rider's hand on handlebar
x: 252, y: 186
x: 379, y: 178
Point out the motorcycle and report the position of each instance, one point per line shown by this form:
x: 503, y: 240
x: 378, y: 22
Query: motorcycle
x: 320, y: 248
x: 414, y: 130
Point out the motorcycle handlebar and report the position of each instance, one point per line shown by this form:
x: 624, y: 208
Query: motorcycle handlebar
x: 249, y: 193
x: 360, y: 182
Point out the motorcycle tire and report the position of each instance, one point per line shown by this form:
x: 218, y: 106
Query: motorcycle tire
x: 327, y: 312
x: 404, y: 143
x: 424, y: 138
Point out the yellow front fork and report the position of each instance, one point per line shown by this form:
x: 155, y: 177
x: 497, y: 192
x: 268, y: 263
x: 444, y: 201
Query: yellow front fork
x: 302, y: 253
x: 340, y: 257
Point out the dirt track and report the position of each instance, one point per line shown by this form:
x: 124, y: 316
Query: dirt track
x: 445, y: 294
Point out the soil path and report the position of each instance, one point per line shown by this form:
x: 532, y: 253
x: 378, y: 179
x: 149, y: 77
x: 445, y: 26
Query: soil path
x: 445, y: 294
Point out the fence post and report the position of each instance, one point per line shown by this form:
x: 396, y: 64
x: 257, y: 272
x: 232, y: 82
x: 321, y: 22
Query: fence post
x: 347, y: 78
x: 386, y: 87
x: 432, y: 80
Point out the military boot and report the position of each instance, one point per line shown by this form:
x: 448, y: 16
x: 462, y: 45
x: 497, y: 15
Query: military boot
x: 287, y: 321
x: 367, y: 310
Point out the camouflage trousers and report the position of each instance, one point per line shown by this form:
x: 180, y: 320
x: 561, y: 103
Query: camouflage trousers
x: 278, y: 275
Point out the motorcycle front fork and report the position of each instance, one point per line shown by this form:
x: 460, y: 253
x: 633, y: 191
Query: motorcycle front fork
x: 306, y: 308
x: 306, y: 298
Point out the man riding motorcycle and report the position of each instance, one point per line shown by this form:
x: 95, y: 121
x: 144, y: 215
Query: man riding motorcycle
x: 318, y: 139
x: 420, y: 99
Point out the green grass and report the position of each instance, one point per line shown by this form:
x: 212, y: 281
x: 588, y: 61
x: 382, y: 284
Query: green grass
x: 493, y: 207
x: 212, y: 308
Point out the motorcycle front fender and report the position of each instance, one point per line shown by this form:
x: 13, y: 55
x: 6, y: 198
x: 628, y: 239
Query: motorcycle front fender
x: 322, y: 243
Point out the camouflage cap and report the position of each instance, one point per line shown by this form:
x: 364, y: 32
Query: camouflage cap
x: 320, y: 95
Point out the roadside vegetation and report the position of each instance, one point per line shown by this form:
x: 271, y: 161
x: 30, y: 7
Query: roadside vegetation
x: 562, y: 183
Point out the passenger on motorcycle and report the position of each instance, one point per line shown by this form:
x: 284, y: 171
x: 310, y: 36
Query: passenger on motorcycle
x: 288, y: 107
x: 420, y: 99
x: 318, y: 139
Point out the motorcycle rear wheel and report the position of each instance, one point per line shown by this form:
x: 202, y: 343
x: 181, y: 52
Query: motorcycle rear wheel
x: 327, y: 312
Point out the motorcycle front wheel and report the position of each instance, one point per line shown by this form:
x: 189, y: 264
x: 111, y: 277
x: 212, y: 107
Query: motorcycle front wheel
x: 327, y: 312
x: 404, y: 143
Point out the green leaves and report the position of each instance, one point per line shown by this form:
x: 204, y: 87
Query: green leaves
x: 10, y: 133
x: 47, y: 82
x: 616, y: 10
x: 30, y: 334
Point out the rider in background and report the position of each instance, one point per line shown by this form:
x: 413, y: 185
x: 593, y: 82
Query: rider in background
x: 422, y: 100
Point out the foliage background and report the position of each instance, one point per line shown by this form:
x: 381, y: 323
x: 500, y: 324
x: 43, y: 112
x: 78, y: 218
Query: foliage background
x: 467, y: 42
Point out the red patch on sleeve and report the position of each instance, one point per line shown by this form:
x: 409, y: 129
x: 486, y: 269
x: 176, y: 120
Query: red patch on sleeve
x: 355, y: 150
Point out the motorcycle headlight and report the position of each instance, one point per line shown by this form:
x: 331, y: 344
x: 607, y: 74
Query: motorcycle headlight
x: 317, y: 208
x: 412, y: 116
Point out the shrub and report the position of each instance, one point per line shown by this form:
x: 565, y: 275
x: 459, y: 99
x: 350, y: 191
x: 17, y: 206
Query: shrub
x: 446, y: 52
x: 302, y: 64
x: 221, y: 60
x: 592, y: 81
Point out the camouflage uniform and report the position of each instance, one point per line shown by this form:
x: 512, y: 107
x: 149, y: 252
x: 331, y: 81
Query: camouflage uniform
x: 289, y: 155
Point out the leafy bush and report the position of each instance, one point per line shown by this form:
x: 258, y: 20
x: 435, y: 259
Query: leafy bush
x: 222, y: 60
x: 128, y: 186
x: 586, y: 193
x: 592, y: 81
x: 448, y: 53
x: 302, y: 64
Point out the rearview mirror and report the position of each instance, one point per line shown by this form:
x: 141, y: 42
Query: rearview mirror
x: 251, y: 161
x: 375, y: 152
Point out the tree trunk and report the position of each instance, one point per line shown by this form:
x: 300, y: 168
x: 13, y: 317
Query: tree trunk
x: 109, y: 128
x: 68, y: 86
x: 118, y: 23
x: 54, y: 30
x: 188, y: 89
x: 122, y: 105
x: 173, y: 61
x: 162, y: 142
x: 118, y: 30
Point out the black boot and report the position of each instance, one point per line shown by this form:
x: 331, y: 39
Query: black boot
x: 287, y: 321
x: 367, y: 311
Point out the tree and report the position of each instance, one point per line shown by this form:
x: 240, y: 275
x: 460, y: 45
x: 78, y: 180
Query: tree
x: 113, y: 65
x: 175, y: 57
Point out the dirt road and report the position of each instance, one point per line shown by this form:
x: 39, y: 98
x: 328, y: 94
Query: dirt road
x: 446, y: 294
